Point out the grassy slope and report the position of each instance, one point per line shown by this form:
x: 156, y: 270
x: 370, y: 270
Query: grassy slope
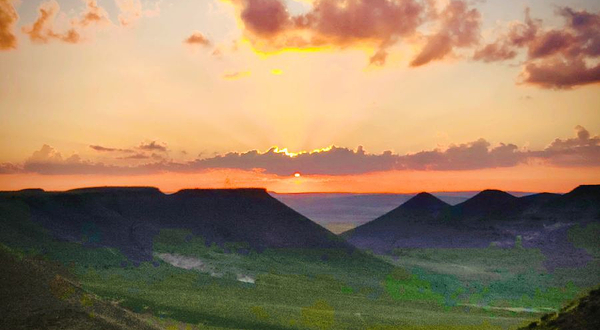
x: 293, y: 290
x: 39, y: 294
x: 580, y: 314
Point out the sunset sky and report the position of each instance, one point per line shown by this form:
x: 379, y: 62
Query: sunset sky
x: 353, y: 95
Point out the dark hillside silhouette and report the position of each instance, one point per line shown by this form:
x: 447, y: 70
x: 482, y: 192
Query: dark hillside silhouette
x: 129, y: 218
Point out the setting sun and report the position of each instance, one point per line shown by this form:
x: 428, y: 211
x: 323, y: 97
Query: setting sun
x: 297, y: 174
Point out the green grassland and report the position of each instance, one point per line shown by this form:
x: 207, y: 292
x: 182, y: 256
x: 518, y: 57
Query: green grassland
x: 312, y: 289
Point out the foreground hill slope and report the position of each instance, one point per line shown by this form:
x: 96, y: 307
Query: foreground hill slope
x: 579, y: 315
x: 38, y: 294
x: 129, y: 218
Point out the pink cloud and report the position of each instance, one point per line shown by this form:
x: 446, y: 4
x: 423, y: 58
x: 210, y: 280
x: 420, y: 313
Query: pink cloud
x: 556, y: 58
x: 459, y: 28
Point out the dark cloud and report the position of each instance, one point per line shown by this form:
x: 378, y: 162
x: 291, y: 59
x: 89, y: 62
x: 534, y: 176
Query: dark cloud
x: 197, y: 38
x: 153, y: 146
x: 340, y: 161
x: 264, y: 17
x: 556, y: 58
x: 459, y: 28
x: 583, y: 150
x: 561, y: 74
x: 8, y: 19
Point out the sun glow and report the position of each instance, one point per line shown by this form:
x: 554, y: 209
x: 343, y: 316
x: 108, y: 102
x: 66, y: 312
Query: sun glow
x: 285, y: 151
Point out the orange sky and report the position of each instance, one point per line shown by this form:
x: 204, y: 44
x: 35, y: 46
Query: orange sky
x: 459, y: 96
x: 522, y: 178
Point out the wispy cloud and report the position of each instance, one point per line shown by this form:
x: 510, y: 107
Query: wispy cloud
x: 133, y: 10
x: 109, y: 149
x: 153, y: 146
x: 236, y: 75
x: 43, y: 30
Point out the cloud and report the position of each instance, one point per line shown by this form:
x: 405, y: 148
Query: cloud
x: 136, y: 156
x: 468, y: 156
x: 336, y: 160
x: 153, y: 146
x: 560, y: 58
x: 583, y: 150
x: 108, y: 149
x: 8, y: 19
x: 330, y: 23
x: 197, y: 38
x: 48, y: 161
x: 236, y: 75
x: 132, y: 11
x: 43, y: 30
x: 8, y: 168
x: 459, y: 28
x: 561, y: 74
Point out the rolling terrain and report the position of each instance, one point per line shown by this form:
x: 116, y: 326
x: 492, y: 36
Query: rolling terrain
x: 240, y: 259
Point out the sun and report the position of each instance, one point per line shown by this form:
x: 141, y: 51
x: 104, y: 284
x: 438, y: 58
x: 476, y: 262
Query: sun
x: 297, y: 174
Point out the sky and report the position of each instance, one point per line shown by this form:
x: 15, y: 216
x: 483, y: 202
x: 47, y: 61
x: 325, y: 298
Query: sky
x: 300, y: 95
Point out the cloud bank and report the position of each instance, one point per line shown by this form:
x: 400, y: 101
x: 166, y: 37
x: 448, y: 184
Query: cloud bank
x: 377, y: 24
x: 582, y: 150
x: 559, y: 58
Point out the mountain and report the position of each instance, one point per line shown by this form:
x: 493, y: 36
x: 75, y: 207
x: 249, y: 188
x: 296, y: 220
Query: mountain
x: 403, y: 223
x: 487, y: 203
x: 490, y: 217
x: 340, y: 212
x: 424, y: 202
x: 129, y: 218
x: 578, y: 315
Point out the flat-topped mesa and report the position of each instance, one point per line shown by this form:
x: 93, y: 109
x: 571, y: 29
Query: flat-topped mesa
x: 128, y: 218
x: 425, y: 202
x: 116, y: 190
x: 30, y: 191
x: 585, y: 191
x: 245, y: 192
